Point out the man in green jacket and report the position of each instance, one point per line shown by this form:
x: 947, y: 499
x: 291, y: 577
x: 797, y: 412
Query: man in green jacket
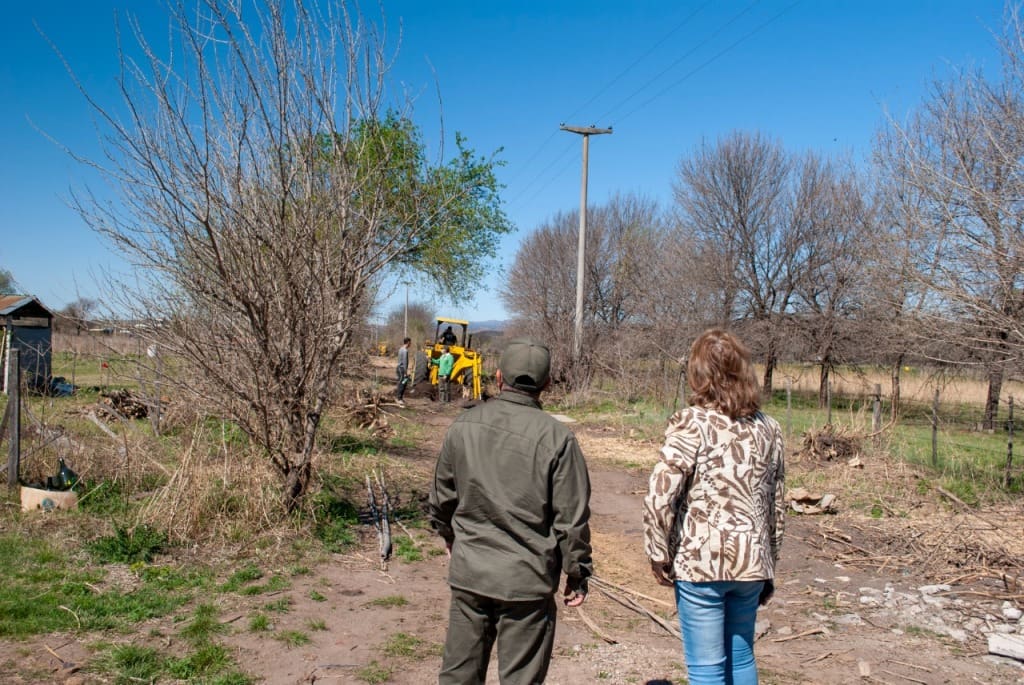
x: 511, y: 499
x: 445, y: 364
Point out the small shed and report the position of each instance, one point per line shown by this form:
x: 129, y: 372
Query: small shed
x: 26, y: 324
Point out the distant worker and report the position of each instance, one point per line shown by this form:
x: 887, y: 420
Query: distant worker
x: 448, y: 337
x: 444, y: 374
x: 510, y: 498
x: 402, y: 371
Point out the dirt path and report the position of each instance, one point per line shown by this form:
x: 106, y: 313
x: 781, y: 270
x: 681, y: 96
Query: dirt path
x: 818, y: 629
x: 815, y: 630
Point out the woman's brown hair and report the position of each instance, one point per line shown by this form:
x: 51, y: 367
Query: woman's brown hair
x: 721, y: 374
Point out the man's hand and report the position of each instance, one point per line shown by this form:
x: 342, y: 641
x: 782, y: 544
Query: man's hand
x: 662, y: 573
x: 573, y: 597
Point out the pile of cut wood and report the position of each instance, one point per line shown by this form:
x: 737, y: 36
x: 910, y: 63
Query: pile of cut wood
x: 124, y: 403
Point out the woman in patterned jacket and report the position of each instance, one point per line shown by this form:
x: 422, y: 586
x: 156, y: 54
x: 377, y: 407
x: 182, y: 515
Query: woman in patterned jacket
x: 713, y: 516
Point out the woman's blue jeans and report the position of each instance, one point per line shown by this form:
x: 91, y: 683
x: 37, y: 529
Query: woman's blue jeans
x: 717, y: 619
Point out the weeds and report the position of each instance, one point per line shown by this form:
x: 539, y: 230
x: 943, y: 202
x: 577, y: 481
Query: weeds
x: 389, y: 601
x: 259, y: 623
x: 127, y: 546
x: 203, y: 626
x: 374, y: 673
x: 244, y: 575
x: 403, y: 645
x: 407, y: 550
x: 293, y: 638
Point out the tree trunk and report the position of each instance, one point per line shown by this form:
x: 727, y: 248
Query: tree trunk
x: 894, y: 374
x: 823, y: 378
x: 995, y: 386
x: 297, y: 482
x: 769, y: 369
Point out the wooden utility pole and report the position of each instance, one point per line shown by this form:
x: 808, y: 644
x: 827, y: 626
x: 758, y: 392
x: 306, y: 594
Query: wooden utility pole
x: 577, y: 340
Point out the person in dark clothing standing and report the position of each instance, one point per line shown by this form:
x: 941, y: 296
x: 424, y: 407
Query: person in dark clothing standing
x: 511, y: 499
x: 402, y: 371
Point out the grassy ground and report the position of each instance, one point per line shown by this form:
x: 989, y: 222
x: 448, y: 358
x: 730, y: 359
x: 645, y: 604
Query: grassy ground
x: 94, y: 572
x: 969, y: 462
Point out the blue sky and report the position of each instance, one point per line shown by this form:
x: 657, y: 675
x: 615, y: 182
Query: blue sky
x: 815, y: 74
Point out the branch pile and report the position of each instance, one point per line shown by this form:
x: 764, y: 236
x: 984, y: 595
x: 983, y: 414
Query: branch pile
x: 124, y: 403
x: 364, y: 411
x: 830, y: 443
x: 959, y: 551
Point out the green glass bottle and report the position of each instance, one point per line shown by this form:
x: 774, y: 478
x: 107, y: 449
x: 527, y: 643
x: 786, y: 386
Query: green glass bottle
x: 66, y: 478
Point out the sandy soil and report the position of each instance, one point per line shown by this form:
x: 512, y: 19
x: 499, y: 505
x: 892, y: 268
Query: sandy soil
x: 814, y: 631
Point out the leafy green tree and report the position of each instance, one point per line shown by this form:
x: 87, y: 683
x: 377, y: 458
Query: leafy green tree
x: 448, y: 216
x: 7, y: 284
x: 265, y: 197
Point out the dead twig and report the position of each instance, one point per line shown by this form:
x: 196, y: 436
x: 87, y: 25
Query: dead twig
x: 63, y: 664
x: 806, y: 633
x: 904, y: 677
x: 416, y: 543
x: 904, y: 663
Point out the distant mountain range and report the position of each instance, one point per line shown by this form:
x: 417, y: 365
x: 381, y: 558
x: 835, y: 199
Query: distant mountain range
x: 490, y: 325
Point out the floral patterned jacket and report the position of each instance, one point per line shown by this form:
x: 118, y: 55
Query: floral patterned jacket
x: 715, y: 508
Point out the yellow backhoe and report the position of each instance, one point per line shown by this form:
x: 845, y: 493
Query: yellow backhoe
x: 469, y: 364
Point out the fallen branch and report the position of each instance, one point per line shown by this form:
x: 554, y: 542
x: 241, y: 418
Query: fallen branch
x: 593, y: 626
x: 812, y: 631
x: 601, y: 581
x: 633, y: 606
x: 904, y: 677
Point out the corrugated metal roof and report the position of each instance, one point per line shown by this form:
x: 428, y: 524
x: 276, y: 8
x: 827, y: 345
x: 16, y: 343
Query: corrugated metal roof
x: 12, y: 303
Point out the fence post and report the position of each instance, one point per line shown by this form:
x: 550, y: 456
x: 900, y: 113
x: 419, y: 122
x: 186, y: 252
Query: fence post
x: 789, y: 407
x: 14, y: 416
x: 876, y: 415
x: 935, y: 430
x: 1009, y: 443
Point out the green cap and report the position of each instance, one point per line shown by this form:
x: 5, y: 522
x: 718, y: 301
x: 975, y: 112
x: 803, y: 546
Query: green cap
x: 525, y: 364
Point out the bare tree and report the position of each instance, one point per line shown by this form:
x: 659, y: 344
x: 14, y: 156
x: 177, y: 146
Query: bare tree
x: 961, y: 152
x: 76, y: 314
x: 420, y: 318
x: 900, y: 260
x: 732, y: 201
x: 262, y: 194
x: 832, y: 212
x: 622, y: 240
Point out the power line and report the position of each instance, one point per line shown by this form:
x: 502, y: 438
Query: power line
x: 673, y: 65
x: 710, y: 61
x: 639, y: 59
x: 540, y: 174
x: 608, y: 85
